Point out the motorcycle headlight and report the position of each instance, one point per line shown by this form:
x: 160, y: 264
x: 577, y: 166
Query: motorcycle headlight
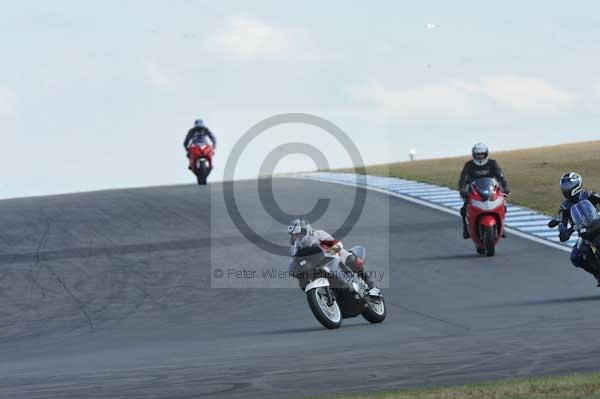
x: 326, y: 269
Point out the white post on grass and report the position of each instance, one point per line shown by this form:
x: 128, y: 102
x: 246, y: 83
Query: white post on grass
x: 412, y: 154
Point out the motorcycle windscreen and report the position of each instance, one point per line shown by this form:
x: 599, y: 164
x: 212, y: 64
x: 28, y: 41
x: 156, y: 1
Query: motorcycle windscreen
x: 486, y: 187
x: 359, y: 251
x: 583, y: 214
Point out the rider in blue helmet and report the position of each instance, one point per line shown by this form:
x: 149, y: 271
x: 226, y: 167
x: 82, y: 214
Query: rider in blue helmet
x: 571, y: 185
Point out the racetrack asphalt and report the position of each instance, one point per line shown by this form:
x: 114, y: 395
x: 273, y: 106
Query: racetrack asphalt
x: 108, y: 294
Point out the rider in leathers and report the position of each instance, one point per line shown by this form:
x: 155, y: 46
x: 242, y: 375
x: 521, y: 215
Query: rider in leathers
x: 480, y: 166
x: 571, y: 185
x: 305, y: 242
x: 199, y: 134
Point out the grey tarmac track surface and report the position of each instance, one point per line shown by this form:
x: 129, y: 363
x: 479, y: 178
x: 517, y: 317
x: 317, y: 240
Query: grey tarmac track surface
x: 108, y: 294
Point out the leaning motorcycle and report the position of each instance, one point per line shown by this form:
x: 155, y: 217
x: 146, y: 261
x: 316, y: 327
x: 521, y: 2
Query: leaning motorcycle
x: 486, y: 214
x: 586, y: 223
x: 334, y: 292
x: 200, y: 156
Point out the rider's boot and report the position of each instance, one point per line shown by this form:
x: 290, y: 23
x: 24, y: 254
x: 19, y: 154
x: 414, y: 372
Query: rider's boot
x: 596, y: 274
x: 463, y: 214
x: 358, y: 265
x: 466, y: 234
x: 591, y: 270
x: 373, y: 290
x: 504, y: 230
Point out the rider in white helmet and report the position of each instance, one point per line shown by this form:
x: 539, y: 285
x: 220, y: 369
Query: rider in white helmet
x: 480, y: 166
x: 305, y: 241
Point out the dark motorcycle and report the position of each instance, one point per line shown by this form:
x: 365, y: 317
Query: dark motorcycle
x: 586, y: 223
x: 334, y: 292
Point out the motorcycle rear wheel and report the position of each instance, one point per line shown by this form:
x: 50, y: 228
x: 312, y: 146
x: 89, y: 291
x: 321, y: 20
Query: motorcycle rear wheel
x: 329, y: 316
x: 202, y: 171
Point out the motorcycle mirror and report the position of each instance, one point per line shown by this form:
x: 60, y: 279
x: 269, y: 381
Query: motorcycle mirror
x: 553, y: 223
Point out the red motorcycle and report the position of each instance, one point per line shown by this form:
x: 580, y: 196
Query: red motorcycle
x: 486, y: 214
x: 200, y: 155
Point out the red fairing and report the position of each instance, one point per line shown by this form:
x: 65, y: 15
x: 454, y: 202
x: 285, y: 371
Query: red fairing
x: 198, y: 151
x: 359, y: 263
x: 482, y: 214
x: 327, y: 244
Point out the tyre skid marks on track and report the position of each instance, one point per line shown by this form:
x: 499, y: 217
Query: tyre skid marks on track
x: 429, y: 316
x: 519, y: 223
x: 139, y: 382
x: 37, y: 264
x: 75, y: 287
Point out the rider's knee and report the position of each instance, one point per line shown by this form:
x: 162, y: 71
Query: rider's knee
x: 577, y: 260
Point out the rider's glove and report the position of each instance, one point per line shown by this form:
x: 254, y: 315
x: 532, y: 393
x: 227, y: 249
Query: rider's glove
x: 336, y: 248
x: 564, y: 233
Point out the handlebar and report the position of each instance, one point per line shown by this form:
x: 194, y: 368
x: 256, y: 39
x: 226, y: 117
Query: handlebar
x: 553, y: 223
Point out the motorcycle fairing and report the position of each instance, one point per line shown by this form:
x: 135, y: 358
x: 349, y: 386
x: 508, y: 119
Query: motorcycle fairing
x: 318, y: 283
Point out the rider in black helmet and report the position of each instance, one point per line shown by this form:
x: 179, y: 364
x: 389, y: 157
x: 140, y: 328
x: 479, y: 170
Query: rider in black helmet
x: 480, y: 166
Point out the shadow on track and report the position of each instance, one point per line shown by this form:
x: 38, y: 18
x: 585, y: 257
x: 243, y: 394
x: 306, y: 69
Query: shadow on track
x: 303, y: 330
x: 542, y: 302
x: 441, y: 258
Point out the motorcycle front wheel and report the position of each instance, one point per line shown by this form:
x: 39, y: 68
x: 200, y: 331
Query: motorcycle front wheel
x: 330, y: 316
x: 375, y: 311
x: 489, y: 238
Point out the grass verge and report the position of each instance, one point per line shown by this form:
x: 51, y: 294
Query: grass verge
x: 533, y: 174
x: 577, y: 386
x: 534, y: 178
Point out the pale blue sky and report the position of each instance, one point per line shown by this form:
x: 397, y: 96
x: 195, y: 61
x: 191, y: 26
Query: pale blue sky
x: 99, y: 95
